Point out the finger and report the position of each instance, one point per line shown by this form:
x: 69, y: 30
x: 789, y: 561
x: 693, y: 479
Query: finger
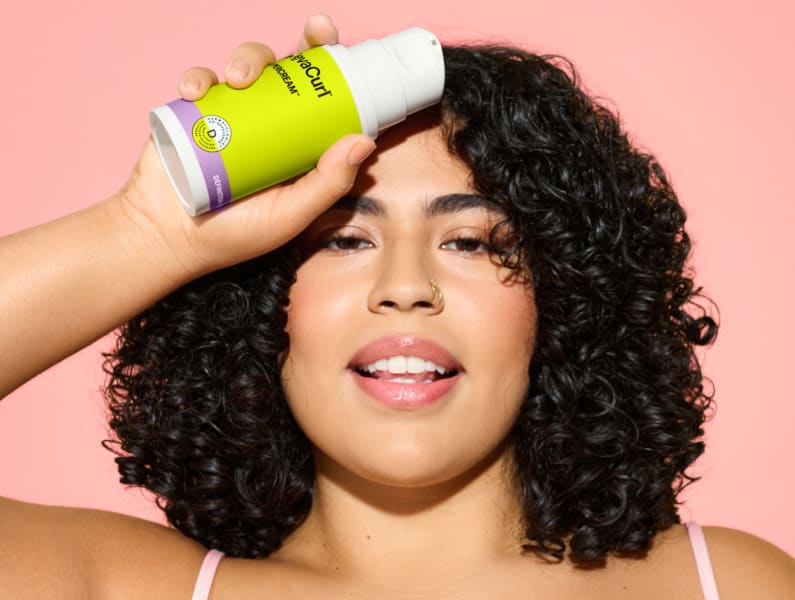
x: 246, y: 64
x: 299, y: 203
x: 195, y: 82
x: 318, y: 30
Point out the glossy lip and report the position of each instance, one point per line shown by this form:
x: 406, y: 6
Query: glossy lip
x: 405, y: 395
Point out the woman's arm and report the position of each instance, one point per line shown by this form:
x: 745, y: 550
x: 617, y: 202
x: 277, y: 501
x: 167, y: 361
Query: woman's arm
x: 57, y: 552
x: 66, y: 283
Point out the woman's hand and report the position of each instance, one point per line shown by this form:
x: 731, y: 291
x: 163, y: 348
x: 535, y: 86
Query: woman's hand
x: 261, y: 222
x: 248, y: 60
x: 71, y: 281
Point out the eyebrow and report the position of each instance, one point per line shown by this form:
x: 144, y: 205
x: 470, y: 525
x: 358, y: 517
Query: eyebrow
x: 448, y: 203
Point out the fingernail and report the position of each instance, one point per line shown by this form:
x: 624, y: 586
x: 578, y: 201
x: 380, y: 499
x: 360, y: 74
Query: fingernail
x: 238, y: 68
x: 192, y: 85
x: 360, y: 151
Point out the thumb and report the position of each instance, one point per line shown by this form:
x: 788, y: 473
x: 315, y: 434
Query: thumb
x: 330, y: 180
x: 336, y: 170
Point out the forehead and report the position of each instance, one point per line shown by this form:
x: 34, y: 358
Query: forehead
x: 410, y: 158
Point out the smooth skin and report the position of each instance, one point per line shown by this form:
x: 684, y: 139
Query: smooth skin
x: 457, y: 540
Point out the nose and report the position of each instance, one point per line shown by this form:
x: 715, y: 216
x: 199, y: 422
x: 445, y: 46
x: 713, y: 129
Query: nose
x: 405, y: 284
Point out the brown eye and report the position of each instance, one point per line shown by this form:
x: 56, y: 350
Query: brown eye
x: 467, y: 245
x: 344, y: 243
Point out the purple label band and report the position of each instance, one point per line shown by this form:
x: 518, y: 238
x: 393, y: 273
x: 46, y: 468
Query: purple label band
x: 210, y: 163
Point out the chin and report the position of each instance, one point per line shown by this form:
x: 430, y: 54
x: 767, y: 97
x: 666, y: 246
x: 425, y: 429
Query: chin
x: 411, y: 467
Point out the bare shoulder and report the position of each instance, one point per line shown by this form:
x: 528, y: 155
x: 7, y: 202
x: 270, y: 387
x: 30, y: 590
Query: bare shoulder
x: 49, y: 551
x: 747, y: 566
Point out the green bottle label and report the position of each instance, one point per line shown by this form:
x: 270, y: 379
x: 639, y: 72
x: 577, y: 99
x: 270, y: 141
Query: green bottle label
x: 273, y: 130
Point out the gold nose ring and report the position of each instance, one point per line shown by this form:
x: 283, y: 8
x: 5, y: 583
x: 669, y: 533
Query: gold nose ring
x: 437, y: 300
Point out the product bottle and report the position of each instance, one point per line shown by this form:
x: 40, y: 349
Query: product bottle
x: 232, y: 143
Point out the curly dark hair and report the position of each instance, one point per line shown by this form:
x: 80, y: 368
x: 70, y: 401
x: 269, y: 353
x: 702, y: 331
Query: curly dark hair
x: 614, y: 413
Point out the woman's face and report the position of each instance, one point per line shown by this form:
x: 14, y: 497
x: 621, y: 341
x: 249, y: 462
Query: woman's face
x: 362, y: 311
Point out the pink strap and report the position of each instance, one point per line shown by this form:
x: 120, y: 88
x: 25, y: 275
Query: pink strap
x: 207, y: 571
x: 699, y: 544
x: 206, y: 575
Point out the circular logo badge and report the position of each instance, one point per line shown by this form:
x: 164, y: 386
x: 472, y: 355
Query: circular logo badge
x: 212, y: 133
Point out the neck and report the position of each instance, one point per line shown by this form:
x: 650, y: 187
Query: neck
x: 389, y: 533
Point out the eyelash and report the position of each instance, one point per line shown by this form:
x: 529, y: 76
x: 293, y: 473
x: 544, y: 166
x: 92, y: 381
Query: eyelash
x: 343, y: 243
x: 470, y: 244
x: 334, y: 243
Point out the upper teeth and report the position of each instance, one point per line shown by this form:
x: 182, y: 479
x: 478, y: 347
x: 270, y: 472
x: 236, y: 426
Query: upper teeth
x: 403, y: 364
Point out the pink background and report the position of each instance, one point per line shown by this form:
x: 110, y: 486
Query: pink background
x: 707, y: 86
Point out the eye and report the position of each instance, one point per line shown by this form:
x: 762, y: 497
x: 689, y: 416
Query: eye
x: 467, y: 245
x: 339, y: 242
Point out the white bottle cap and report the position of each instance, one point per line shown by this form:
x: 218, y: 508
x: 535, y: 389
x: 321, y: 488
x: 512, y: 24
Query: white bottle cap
x: 403, y: 72
x: 418, y: 54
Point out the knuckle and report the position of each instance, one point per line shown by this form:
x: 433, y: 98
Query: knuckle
x: 255, y: 51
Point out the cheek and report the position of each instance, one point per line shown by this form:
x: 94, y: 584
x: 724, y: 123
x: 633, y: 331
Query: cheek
x: 507, y: 327
x: 319, y: 311
x: 318, y: 315
x: 503, y: 322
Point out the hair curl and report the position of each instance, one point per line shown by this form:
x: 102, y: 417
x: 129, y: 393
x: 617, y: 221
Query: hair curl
x: 614, y: 413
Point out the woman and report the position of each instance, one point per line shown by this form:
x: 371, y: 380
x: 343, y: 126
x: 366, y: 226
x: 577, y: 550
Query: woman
x: 460, y: 366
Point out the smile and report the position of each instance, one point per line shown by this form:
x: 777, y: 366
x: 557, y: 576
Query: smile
x: 405, y: 372
x: 405, y: 369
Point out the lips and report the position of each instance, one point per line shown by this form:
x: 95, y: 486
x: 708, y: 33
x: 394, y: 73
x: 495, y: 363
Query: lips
x: 405, y: 371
